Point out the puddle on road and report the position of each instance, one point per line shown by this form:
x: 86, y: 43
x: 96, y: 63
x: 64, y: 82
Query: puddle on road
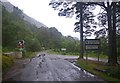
x: 80, y: 69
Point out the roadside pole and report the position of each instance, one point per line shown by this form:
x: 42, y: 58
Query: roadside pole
x: 21, y: 46
x: 98, y: 55
x: 86, y: 57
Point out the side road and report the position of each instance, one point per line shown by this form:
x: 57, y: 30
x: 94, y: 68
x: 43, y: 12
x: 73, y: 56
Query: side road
x: 89, y: 58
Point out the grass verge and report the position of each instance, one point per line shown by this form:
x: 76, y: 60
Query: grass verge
x: 7, y: 62
x: 102, y: 70
x: 95, y: 55
x: 29, y: 54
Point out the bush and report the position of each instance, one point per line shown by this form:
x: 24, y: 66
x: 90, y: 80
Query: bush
x: 114, y: 72
x: 7, y: 62
x: 28, y: 54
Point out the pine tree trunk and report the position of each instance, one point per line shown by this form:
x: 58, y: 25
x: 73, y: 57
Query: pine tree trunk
x: 114, y: 56
x: 81, y: 32
x: 112, y: 53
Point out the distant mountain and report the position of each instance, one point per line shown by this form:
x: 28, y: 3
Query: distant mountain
x: 10, y: 8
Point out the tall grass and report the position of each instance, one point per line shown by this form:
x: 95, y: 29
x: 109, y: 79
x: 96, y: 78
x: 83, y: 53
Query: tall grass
x: 7, y: 62
x: 112, y: 72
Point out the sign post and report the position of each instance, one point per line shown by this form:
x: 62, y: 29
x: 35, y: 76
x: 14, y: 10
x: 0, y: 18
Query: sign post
x: 92, y: 44
x: 21, y: 44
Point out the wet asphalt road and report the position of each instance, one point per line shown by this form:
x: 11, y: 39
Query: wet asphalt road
x: 53, y: 68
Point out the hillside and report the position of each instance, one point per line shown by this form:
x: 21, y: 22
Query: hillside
x: 15, y: 28
x: 11, y: 8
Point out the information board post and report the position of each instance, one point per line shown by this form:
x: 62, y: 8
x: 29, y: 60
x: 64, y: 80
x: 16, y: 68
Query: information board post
x: 86, y: 57
x: 92, y: 44
x: 98, y: 55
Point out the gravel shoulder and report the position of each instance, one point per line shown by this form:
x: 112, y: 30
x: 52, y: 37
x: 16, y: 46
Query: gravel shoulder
x: 16, y: 68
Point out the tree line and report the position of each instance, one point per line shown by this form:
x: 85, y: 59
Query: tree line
x: 14, y: 28
x: 108, y: 22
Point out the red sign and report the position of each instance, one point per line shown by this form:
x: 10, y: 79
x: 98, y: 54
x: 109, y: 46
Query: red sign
x: 21, y: 44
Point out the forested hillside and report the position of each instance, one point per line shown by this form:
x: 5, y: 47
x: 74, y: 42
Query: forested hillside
x: 15, y: 28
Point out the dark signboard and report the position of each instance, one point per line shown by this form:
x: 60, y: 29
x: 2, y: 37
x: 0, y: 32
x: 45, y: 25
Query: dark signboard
x: 92, y: 44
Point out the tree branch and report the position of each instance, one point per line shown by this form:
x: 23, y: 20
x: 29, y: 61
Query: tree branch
x: 96, y: 3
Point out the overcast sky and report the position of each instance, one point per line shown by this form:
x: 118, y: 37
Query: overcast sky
x: 40, y: 10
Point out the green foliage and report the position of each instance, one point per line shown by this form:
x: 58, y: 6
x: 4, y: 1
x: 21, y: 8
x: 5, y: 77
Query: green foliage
x: 110, y: 76
x: 29, y: 54
x: 15, y: 29
x: 104, y: 45
x: 95, y: 54
x: 71, y: 45
x: 114, y: 72
x: 7, y: 62
x: 55, y: 38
